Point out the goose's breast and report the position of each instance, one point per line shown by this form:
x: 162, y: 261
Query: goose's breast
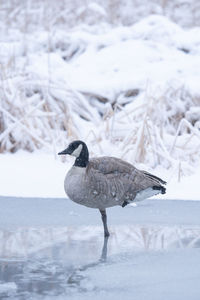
x: 74, y: 183
x: 79, y: 191
x: 82, y: 190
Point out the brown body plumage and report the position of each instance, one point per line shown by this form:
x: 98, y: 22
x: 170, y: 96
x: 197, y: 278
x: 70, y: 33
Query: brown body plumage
x: 107, y: 182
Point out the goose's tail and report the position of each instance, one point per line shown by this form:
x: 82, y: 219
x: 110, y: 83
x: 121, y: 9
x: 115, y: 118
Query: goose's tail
x: 155, y: 187
x: 160, y: 188
x: 158, y: 179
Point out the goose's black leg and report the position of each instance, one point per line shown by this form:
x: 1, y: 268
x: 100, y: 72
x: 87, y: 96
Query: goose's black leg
x: 104, y: 249
x: 104, y: 219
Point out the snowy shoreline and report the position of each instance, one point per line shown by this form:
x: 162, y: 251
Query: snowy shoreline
x: 39, y: 174
x: 130, y: 91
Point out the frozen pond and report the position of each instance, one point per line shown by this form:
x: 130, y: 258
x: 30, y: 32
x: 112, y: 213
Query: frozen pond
x: 144, y: 258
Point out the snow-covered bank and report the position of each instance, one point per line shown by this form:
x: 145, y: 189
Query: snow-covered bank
x: 132, y: 90
x: 39, y: 174
x: 31, y: 175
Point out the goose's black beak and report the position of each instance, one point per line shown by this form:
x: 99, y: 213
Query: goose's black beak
x: 64, y: 152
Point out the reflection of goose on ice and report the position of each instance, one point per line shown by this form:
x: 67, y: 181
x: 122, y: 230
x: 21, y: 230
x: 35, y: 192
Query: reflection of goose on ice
x: 106, y: 181
x: 76, y: 277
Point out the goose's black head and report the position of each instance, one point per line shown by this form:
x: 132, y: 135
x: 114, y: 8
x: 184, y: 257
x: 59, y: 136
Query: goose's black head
x: 80, y: 151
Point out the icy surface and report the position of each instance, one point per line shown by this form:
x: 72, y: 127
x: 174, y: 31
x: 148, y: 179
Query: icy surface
x: 52, y: 249
x: 55, y: 212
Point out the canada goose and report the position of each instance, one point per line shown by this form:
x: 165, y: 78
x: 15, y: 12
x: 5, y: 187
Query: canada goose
x: 106, y: 181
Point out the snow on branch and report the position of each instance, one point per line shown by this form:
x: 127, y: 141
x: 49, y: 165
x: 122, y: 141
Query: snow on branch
x: 129, y: 91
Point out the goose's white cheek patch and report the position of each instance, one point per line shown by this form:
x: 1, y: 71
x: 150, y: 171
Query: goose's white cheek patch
x: 77, y: 151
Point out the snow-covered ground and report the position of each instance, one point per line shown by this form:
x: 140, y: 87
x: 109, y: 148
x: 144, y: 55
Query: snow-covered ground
x: 42, y: 175
x: 132, y: 91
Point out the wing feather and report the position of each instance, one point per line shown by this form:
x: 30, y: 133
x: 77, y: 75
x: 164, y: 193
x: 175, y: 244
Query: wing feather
x: 114, y: 177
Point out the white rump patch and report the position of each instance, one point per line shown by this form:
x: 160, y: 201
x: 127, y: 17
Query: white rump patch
x: 147, y: 193
x: 77, y: 151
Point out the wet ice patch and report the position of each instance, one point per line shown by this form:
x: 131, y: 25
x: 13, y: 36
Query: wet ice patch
x: 7, y: 289
x: 77, y: 263
x: 69, y: 241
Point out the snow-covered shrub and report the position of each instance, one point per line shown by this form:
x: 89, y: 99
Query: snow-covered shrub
x: 130, y: 91
x: 33, y: 14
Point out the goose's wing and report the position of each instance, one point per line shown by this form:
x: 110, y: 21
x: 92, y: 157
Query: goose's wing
x: 110, y: 165
x: 112, y: 175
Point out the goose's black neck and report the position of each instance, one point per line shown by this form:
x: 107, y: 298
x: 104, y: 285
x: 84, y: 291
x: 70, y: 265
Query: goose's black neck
x: 83, y: 159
